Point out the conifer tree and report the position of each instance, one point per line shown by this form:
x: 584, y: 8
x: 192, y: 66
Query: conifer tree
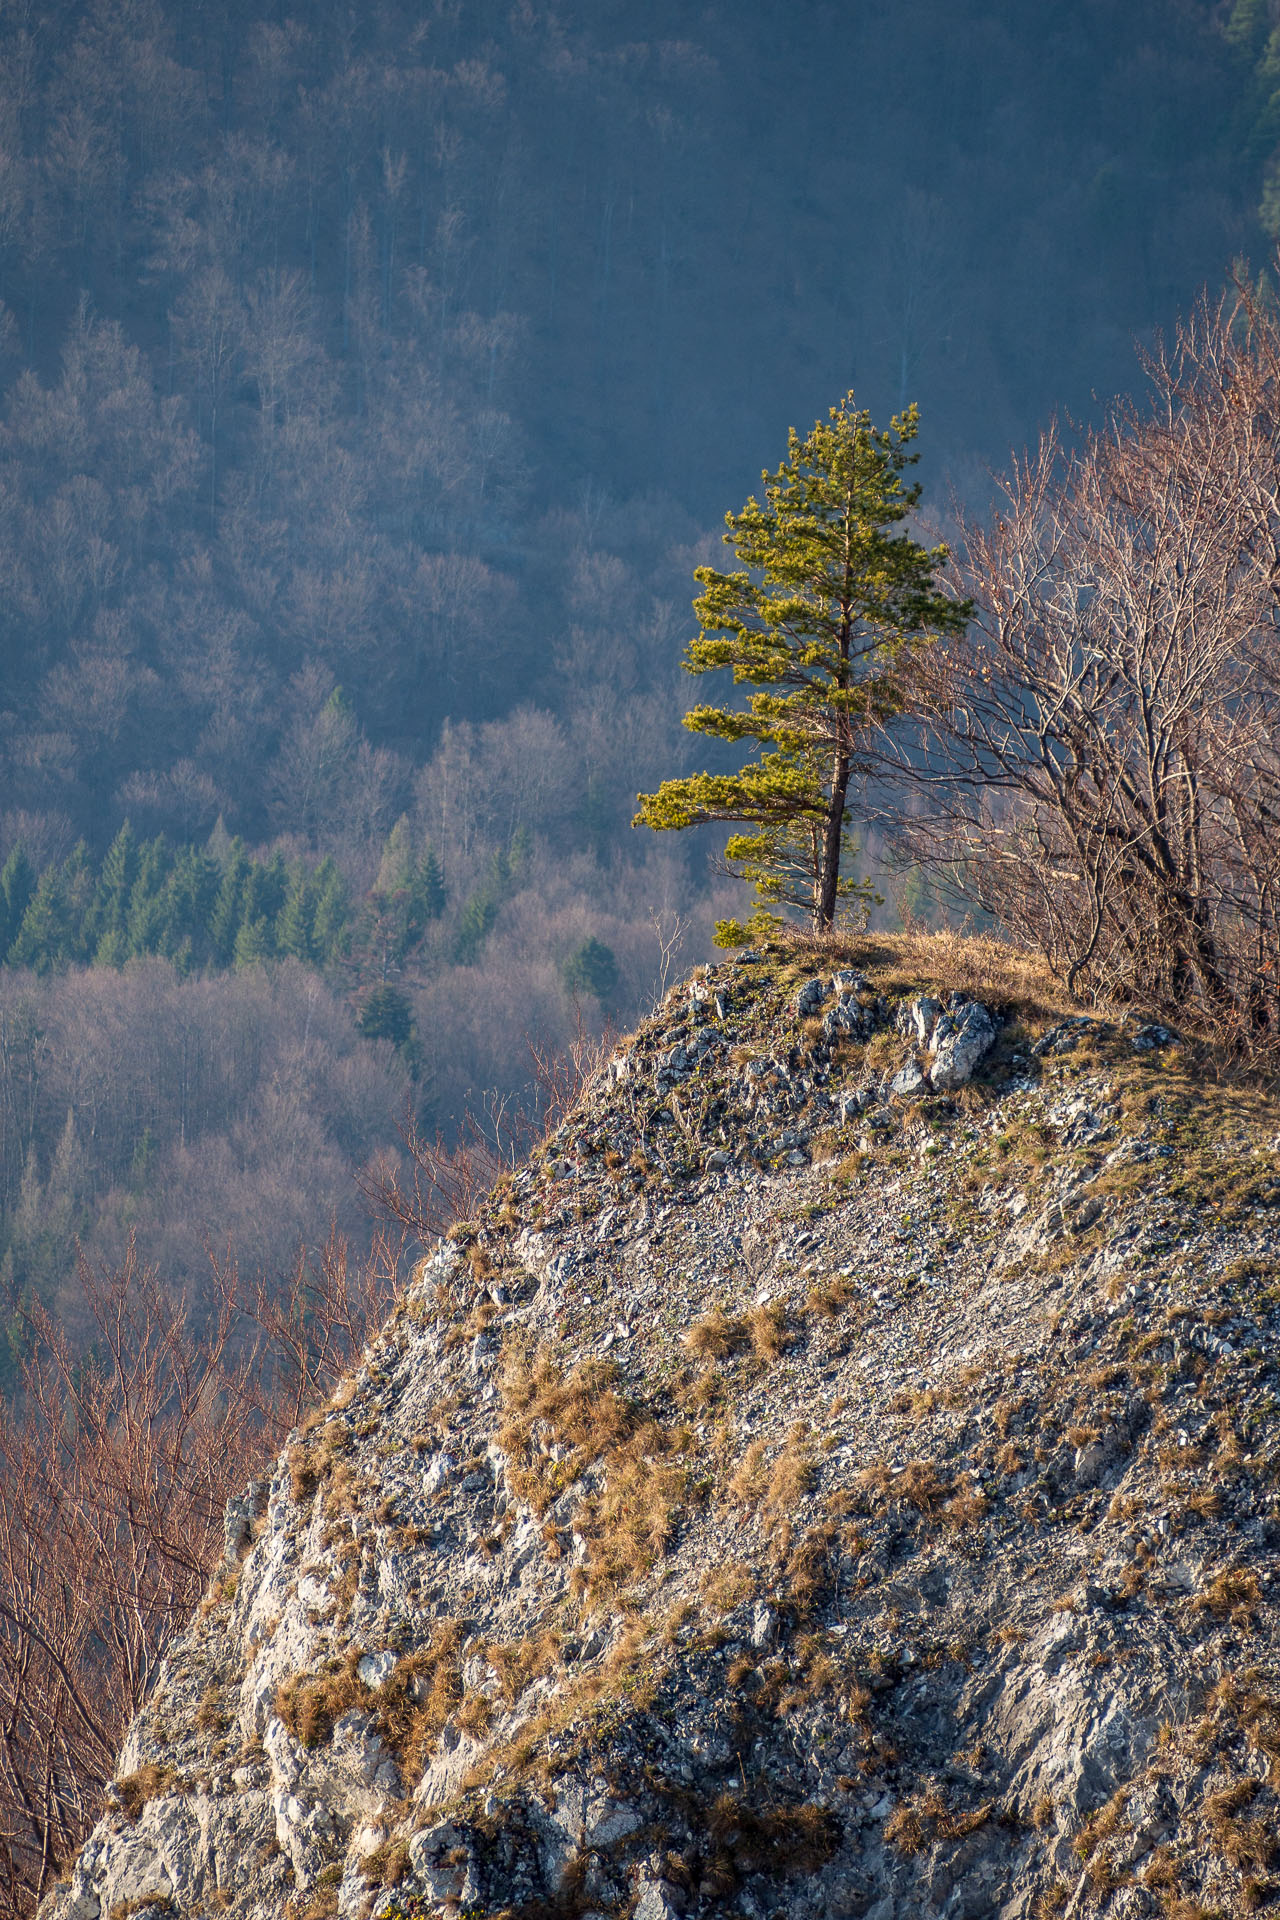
x: 828, y: 601
x: 396, y: 867
x: 186, y: 903
x: 592, y: 968
x: 115, y: 883
x: 295, y: 927
x: 387, y: 1014
x: 426, y: 892
x: 253, y: 942
x: 77, y: 884
x: 43, y: 937
x: 17, y: 884
x: 332, y: 911
x: 224, y: 921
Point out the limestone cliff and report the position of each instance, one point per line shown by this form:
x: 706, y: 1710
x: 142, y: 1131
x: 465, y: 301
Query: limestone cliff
x: 840, y: 1476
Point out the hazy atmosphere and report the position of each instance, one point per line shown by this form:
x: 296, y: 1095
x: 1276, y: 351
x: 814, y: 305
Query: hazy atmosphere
x: 503, y: 505
x: 373, y: 380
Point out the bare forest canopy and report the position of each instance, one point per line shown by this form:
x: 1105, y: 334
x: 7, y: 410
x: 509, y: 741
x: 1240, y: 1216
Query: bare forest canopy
x: 373, y: 379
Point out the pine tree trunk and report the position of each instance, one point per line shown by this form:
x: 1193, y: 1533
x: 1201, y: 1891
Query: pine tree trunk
x: 824, y: 918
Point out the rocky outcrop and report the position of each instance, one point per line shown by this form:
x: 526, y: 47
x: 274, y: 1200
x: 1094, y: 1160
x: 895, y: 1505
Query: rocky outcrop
x: 839, y: 1476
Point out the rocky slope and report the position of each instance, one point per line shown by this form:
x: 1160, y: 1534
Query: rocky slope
x: 841, y: 1476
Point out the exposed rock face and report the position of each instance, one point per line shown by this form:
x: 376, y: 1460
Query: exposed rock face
x: 802, y: 1492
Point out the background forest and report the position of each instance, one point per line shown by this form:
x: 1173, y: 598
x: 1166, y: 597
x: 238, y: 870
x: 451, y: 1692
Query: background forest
x: 373, y: 379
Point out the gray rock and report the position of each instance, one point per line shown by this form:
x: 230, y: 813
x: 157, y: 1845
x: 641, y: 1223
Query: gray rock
x: 810, y: 996
x: 655, y: 1900
x: 445, y: 1518
x: 909, y: 1082
x: 1064, y: 1037
x: 375, y: 1668
x: 924, y: 1017
x: 964, y: 1047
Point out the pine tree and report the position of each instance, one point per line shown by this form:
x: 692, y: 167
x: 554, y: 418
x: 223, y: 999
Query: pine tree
x: 829, y: 601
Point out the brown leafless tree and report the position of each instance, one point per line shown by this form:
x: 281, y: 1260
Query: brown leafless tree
x: 1095, y: 762
x: 114, y: 1475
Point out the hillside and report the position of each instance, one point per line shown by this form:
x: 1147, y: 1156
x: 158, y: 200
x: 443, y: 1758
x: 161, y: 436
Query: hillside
x: 792, y: 1496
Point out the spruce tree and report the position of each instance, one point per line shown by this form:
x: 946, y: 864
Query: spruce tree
x: 115, y: 882
x: 396, y: 867
x: 387, y: 1014
x: 224, y: 920
x: 17, y: 884
x: 144, y: 926
x: 829, y: 601
x: 426, y: 893
x: 77, y: 884
x: 253, y: 942
x: 185, y: 905
x: 592, y: 968
x: 43, y: 937
x: 295, y: 926
x: 332, y: 912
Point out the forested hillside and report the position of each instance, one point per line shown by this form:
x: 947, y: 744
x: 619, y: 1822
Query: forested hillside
x: 373, y: 379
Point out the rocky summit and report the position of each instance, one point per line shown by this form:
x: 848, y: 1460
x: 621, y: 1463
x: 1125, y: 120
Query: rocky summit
x: 839, y: 1475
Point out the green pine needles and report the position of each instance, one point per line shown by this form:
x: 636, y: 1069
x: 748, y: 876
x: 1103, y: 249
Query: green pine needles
x: 819, y: 623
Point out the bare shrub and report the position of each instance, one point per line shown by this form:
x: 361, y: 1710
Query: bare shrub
x: 114, y: 1475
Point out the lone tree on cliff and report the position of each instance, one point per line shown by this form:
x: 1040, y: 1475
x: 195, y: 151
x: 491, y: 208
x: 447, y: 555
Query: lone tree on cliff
x: 828, y: 601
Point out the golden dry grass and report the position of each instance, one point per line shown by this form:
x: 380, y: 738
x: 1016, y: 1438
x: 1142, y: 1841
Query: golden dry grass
x: 942, y: 962
x: 150, y: 1782
x: 717, y: 1335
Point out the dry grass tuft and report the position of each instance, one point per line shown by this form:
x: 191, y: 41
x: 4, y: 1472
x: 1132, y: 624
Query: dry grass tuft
x: 518, y: 1663
x: 717, y: 1336
x: 943, y: 962
x: 768, y: 1328
x: 311, y: 1704
x: 794, y: 1475
x: 388, y: 1864
x: 728, y: 1586
x: 582, y: 1414
x: 1232, y: 1595
x: 629, y: 1524
x: 828, y: 1299
x: 151, y: 1782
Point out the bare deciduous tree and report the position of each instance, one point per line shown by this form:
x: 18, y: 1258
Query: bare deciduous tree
x: 114, y: 1475
x: 1095, y: 760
